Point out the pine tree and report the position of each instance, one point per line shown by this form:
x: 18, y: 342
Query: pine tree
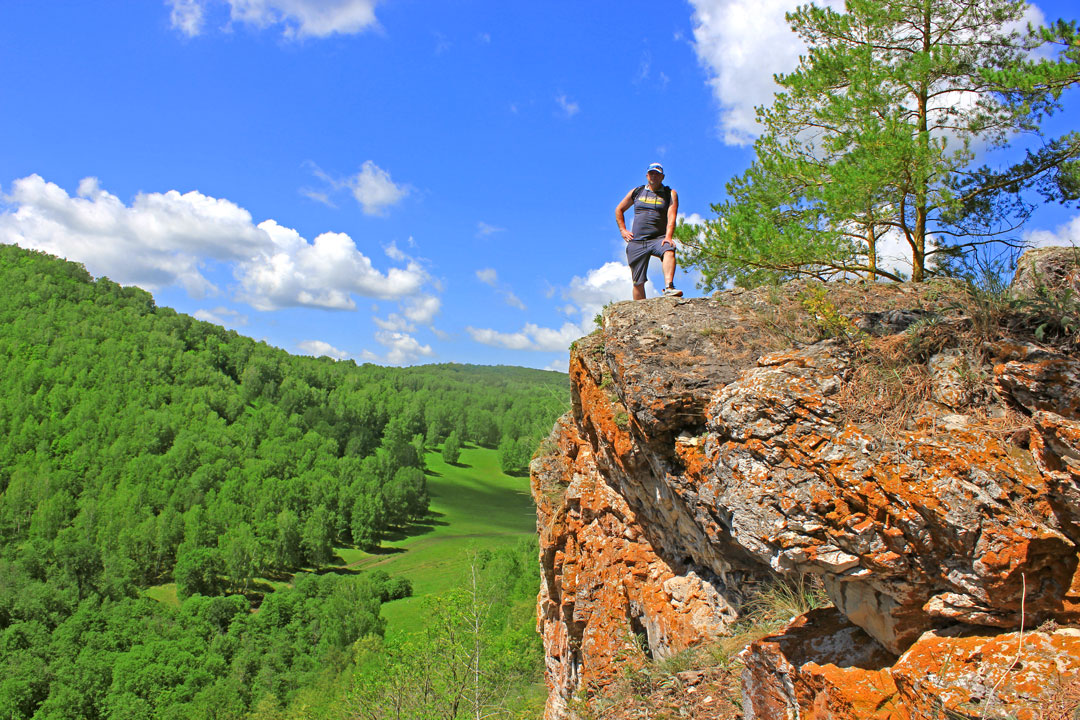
x: 875, y: 135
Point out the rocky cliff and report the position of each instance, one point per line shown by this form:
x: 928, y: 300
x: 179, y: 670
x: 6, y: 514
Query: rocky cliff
x: 916, y: 447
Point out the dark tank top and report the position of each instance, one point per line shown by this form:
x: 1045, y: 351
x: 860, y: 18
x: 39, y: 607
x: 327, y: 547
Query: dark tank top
x: 650, y: 212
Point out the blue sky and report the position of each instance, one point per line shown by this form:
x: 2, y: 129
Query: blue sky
x: 393, y: 181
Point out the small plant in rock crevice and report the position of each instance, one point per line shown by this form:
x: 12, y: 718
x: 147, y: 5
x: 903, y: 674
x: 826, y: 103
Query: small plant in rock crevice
x: 622, y: 419
x: 703, y: 681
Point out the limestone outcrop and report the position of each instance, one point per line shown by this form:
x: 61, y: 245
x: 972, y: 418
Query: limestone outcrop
x: 918, y: 458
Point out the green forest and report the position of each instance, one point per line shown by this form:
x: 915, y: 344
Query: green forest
x: 142, y: 446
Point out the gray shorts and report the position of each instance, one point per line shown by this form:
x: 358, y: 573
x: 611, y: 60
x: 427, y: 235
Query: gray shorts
x: 638, y: 253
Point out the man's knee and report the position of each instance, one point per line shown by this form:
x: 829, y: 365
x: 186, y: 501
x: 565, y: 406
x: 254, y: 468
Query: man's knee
x: 668, y: 254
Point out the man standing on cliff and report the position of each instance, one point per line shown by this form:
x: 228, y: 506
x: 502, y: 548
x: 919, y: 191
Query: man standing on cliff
x: 656, y: 206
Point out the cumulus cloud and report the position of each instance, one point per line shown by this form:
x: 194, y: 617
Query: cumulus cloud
x: 170, y: 238
x: 374, y: 190
x: 297, y: 18
x: 160, y: 239
x: 318, y: 348
x: 324, y: 273
x: 401, y: 348
x: 511, y: 341
x: 1067, y: 234
x: 222, y: 315
x: 372, y: 187
x: 394, y: 252
x: 742, y: 44
x: 530, y: 337
x: 488, y: 276
x: 422, y: 309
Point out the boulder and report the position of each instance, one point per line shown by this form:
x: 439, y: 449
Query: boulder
x: 1052, y: 269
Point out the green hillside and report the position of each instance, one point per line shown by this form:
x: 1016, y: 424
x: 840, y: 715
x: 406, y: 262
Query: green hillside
x: 146, y: 452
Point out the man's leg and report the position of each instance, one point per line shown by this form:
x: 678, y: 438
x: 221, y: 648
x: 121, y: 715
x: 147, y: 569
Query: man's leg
x: 668, y: 263
x: 639, y: 292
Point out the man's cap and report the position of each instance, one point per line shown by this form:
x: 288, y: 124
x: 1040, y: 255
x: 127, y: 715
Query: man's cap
x: 657, y: 167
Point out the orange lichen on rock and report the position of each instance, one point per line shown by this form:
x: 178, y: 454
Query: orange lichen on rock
x: 931, y: 480
x: 822, y: 667
x: 975, y: 674
x: 604, y: 584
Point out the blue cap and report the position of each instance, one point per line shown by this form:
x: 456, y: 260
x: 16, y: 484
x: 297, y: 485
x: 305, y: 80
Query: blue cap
x: 657, y: 167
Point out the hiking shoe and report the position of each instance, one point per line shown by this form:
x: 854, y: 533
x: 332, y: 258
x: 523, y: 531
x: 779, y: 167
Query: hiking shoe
x: 670, y: 291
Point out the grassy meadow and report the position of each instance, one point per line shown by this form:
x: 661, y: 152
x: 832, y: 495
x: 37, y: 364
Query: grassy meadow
x: 474, y: 505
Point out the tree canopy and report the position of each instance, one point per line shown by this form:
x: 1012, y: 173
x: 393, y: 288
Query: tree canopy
x: 143, y: 447
x: 876, y: 134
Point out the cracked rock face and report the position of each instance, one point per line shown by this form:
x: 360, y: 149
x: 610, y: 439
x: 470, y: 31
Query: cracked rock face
x: 907, y: 531
x: 706, y: 454
x: 822, y: 666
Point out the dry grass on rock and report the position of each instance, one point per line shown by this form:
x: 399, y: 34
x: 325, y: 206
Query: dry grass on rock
x: 702, y: 682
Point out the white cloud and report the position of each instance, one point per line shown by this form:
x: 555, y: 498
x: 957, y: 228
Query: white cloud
x: 401, y: 348
x: 187, y: 16
x: 488, y: 276
x: 374, y: 190
x: 160, y: 239
x: 222, y: 315
x: 372, y: 187
x: 587, y: 296
x: 415, y: 310
x: 742, y: 44
x: 394, y: 323
x: 569, y: 107
x: 169, y: 238
x: 483, y: 229
x: 560, y: 365
x: 318, y: 348
x: 512, y: 341
x: 530, y: 337
x: 422, y: 309
x: 644, y: 67
x: 298, y: 18
x: 609, y: 283
x: 324, y: 273
x: 1067, y: 234
x: 318, y: 196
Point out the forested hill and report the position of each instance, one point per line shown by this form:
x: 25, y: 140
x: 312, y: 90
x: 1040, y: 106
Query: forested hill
x: 141, y: 446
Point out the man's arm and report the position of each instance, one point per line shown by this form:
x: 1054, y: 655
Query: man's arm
x: 672, y: 219
x: 619, y: 210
